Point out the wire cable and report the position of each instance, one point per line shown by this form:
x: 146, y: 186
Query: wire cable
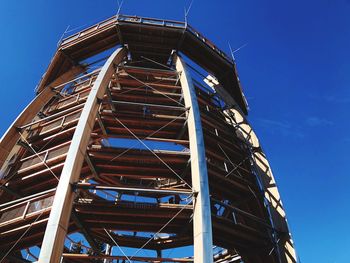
x: 160, y: 159
x: 19, y: 239
x: 165, y: 225
x: 155, y: 89
x: 42, y: 160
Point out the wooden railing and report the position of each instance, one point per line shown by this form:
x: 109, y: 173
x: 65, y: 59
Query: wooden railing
x: 25, y: 208
x: 145, y: 21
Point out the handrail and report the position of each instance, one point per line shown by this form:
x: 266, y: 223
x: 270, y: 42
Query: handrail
x: 243, y: 213
x: 80, y: 33
x: 27, y: 198
x: 208, y: 43
x: 148, y: 21
x: 23, y: 209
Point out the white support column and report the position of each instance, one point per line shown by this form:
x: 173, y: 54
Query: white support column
x: 202, y: 227
x: 56, y: 228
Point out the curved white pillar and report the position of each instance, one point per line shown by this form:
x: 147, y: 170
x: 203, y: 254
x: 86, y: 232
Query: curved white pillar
x: 202, y: 227
x: 57, y: 225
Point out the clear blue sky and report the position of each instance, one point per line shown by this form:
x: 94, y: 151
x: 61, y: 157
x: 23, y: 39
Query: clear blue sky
x: 294, y: 70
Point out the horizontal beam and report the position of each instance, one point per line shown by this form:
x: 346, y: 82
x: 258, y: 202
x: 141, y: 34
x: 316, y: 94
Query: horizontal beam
x: 145, y: 259
x: 53, y: 116
x: 132, y: 189
x: 246, y: 214
x: 9, y: 191
x: 78, y: 78
x: 149, y: 105
x: 145, y: 69
x: 26, y: 198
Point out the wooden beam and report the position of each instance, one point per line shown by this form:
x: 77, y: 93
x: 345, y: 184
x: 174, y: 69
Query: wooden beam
x: 145, y: 259
x: 86, y: 233
x: 202, y: 227
x: 133, y: 189
x: 57, y: 226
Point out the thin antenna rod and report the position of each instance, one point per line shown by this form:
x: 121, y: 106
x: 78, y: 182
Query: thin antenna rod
x: 232, y: 55
x: 236, y: 50
x: 188, y: 10
x: 244, y: 45
x: 120, y: 4
x: 62, y: 37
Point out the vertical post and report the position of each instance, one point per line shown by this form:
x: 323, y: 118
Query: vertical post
x: 107, y: 253
x: 202, y: 228
x: 57, y: 225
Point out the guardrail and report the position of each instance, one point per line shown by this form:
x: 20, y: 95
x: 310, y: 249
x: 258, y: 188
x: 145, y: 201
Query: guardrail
x: 25, y: 208
x: 100, y: 25
x: 151, y: 21
x: 208, y: 43
x: 146, y: 21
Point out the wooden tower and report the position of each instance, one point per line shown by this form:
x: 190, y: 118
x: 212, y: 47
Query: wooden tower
x: 136, y: 148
